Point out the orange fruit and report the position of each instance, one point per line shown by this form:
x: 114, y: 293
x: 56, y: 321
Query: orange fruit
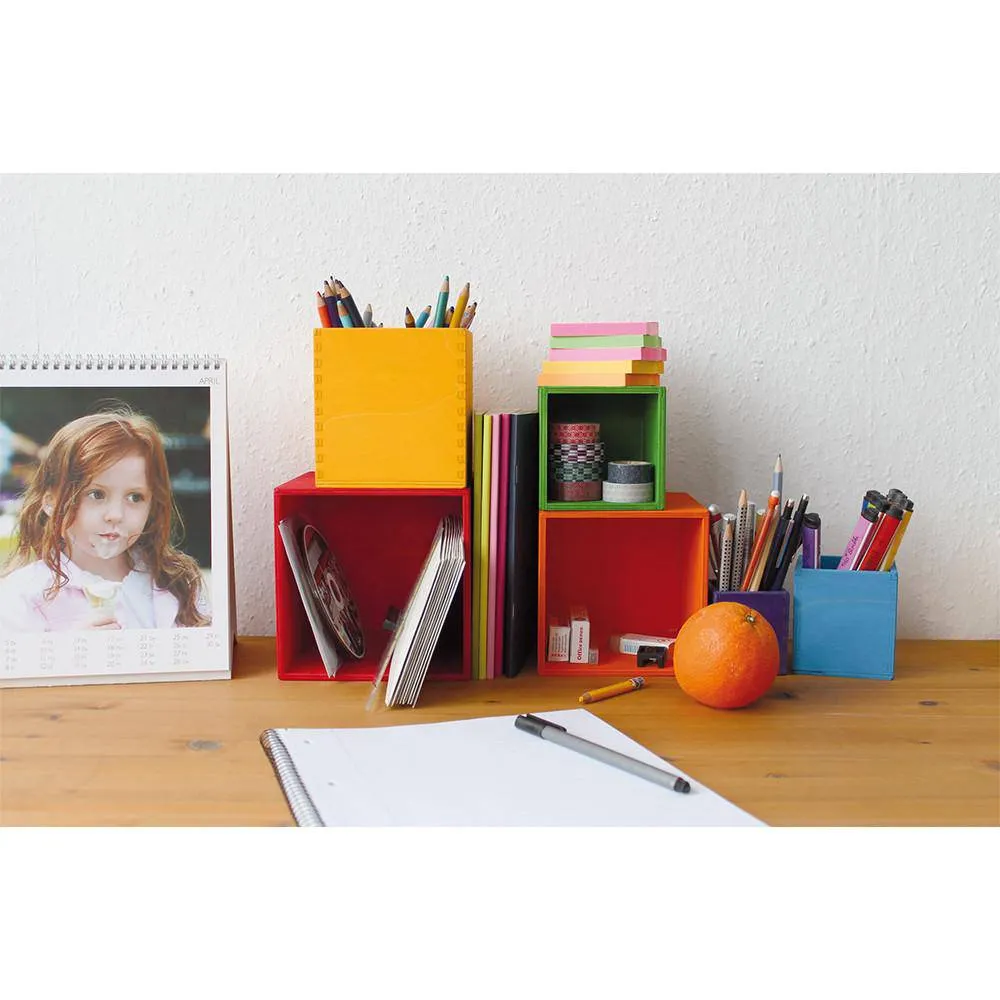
x: 726, y: 655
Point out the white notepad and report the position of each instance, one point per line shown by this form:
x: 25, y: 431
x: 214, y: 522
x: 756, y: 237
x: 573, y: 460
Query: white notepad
x: 479, y: 772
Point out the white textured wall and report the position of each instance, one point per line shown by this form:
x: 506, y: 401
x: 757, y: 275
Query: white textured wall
x: 850, y: 322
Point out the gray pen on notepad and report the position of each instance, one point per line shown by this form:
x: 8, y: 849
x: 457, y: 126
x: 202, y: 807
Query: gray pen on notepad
x: 557, y: 734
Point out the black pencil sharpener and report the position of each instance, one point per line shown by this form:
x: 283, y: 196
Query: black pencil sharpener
x: 651, y: 656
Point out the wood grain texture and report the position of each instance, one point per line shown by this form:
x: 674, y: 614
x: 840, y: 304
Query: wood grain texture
x: 923, y: 749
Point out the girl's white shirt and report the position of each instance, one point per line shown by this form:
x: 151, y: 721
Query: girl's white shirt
x: 134, y: 603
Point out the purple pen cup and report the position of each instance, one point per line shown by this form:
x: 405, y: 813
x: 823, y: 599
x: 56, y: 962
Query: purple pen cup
x: 810, y: 541
x: 774, y: 605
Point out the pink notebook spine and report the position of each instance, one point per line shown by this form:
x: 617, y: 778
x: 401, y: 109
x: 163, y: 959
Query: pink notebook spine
x: 491, y: 618
x: 502, y: 543
x: 604, y: 329
x: 608, y: 354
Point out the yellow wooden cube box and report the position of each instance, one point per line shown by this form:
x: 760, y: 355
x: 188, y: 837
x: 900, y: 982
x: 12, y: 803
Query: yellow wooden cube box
x: 392, y: 406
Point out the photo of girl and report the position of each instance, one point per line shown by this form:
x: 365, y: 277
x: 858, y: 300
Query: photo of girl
x: 95, y: 545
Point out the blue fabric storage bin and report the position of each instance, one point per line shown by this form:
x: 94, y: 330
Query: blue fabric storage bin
x: 844, y: 621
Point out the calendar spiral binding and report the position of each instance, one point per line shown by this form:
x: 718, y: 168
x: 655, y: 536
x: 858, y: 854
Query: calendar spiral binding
x: 110, y: 362
x: 296, y: 796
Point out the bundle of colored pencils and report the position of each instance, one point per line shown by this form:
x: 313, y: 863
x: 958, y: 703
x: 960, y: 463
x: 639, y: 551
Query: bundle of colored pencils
x: 336, y: 307
x: 753, y: 551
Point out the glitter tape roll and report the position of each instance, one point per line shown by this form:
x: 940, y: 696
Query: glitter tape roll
x: 579, y: 492
x: 566, y: 433
x: 627, y: 492
x: 630, y: 472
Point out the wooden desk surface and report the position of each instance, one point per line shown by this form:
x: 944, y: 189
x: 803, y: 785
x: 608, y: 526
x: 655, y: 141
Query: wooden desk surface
x: 921, y: 749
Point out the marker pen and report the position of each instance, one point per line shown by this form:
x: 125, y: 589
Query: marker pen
x: 876, y: 502
x: 888, y: 525
x: 860, y: 536
x: 890, y: 556
x: 811, y: 541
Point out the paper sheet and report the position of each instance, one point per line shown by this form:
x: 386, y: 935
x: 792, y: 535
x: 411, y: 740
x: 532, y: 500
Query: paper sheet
x: 484, y: 772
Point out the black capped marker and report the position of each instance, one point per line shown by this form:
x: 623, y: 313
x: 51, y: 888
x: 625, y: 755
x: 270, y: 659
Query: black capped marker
x: 553, y: 733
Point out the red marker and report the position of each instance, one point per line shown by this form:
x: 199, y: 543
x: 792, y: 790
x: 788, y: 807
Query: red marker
x: 888, y: 525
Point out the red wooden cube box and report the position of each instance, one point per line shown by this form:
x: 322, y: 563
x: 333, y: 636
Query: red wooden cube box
x: 381, y: 538
x: 643, y: 571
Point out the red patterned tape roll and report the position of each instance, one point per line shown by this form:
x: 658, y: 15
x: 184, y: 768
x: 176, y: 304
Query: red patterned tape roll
x: 571, y: 433
x: 589, y: 489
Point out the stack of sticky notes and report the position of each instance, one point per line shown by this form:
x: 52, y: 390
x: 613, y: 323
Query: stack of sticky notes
x: 604, y: 354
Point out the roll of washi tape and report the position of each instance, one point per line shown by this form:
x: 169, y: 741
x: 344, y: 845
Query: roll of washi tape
x: 627, y: 492
x: 581, y: 449
x: 566, y: 433
x: 589, y: 472
x: 574, y: 447
x: 580, y: 466
x: 579, y: 492
x: 630, y: 471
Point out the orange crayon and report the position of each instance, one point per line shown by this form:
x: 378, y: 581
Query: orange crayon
x: 623, y: 687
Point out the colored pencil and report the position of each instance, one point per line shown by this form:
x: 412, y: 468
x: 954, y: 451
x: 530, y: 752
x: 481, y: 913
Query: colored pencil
x: 345, y: 316
x: 324, y: 313
x: 758, y: 548
x: 442, y: 303
x: 740, y: 542
x: 770, y: 567
x: 768, y: 541
x: 366, y: 316
x: 348, y: 300
x: 470, y: 315
x: 408, y: 319
x: 424, y: 316
x: 460, y: 304
x: 331, y: 300
x: 447, y: 316
x: 726, y: 556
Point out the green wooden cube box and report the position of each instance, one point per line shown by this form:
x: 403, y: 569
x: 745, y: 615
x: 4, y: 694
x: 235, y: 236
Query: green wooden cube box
x: 633, y: 423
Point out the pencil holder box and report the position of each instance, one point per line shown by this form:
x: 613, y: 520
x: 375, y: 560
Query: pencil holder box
x: 844, y: 622
x: 774, y: 605
x: 605, y: 423
x: 392, y: 407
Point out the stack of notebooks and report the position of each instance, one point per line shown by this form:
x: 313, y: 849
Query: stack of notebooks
x: 612, y: 354
x: 335, y: 621
x: 408, y: 654
x: 504, y: 542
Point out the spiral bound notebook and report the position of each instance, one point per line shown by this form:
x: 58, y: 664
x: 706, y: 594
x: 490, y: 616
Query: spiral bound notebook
x: 479, y: 772
x: 115, y: 543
